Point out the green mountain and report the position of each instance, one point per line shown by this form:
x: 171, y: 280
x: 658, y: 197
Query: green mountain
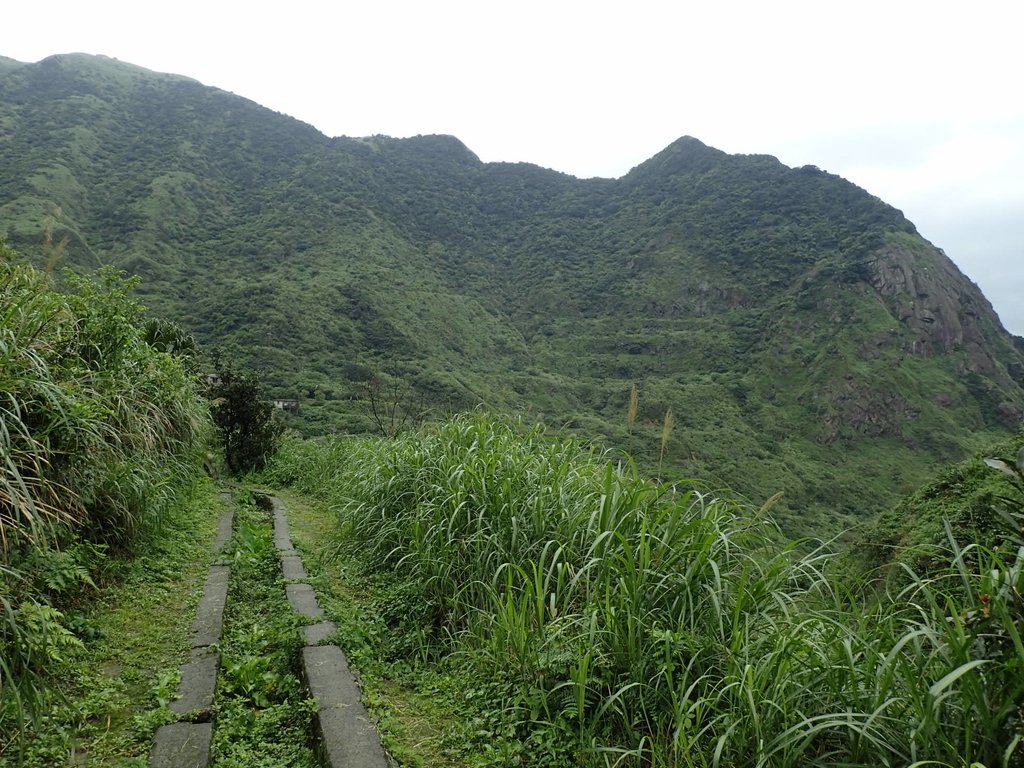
x: 806, y: 338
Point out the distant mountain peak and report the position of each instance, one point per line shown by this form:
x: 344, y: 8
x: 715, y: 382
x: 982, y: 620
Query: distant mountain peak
x: 442, y: 145
x: 684, y: 155
x: 84, y: 63
x: 690, y: 144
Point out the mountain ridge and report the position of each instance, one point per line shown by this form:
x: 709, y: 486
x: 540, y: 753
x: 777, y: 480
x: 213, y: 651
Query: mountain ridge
x: 784, y: 314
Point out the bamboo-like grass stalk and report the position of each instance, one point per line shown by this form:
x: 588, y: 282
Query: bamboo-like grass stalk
x: 631, y: 412
x: 666, y: 435
x: 672, y: 629
x: 98, y: 433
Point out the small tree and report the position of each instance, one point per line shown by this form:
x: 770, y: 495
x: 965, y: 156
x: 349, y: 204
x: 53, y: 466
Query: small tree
x: 391, y: 404
x: 249, y: 428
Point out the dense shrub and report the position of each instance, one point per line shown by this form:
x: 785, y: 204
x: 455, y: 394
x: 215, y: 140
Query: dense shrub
x: 249, y: 426
x: 100, y: 433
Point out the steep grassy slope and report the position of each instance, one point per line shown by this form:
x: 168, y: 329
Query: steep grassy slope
x: 970, y: 496
x: 807, y: 339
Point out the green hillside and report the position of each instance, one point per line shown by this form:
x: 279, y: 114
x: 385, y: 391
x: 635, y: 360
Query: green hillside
x: 970, y: 496
x: 806, y: 338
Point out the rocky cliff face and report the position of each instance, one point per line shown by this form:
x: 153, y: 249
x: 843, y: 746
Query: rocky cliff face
x: 936, y: 302
x: 942, y: 313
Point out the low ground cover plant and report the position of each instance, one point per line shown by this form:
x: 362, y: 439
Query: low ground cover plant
x: 106, y: 697
x: 264, y: 716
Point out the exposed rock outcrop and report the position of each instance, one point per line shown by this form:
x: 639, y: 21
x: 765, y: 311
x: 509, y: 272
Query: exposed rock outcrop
x: 935, y: 301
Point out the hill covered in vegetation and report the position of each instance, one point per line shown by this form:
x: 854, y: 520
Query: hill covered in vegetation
x: 968, y: 500
x: 805, y: 337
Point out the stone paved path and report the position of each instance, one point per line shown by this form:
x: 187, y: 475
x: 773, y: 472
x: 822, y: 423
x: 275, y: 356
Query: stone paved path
x: 348, y: 737
x: 187, y: 744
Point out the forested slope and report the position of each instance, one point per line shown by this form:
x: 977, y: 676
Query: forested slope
x: 806, y: 338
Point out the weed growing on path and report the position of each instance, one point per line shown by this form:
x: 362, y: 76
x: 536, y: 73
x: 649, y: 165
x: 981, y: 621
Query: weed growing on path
x: 263, y: 717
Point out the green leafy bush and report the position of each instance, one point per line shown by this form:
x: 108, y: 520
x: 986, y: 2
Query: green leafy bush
x: 246, y: 421
x: 100, y: 433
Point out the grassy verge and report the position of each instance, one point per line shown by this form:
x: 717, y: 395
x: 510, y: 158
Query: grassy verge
x: 421, y: 709
x: 102, y: 432
x: 263, y: 716
x: 108, y: 696
x: 604, y: 620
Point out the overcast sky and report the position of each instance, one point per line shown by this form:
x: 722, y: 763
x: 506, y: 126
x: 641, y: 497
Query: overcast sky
x: 920, y: 103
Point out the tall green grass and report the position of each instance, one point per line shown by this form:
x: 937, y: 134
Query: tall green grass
x: 99, y: 432
x: 640, y: 624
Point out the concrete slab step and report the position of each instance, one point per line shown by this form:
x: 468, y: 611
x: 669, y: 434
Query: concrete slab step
x: 291, y: 567
x: 198, y: 682
x: 303, y: 601
x: 208, y: 623
x: 349, y: 737
x: 182, y: 745
x: 282, y: 538
x: 314, y: 634
x: 224, y: 526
